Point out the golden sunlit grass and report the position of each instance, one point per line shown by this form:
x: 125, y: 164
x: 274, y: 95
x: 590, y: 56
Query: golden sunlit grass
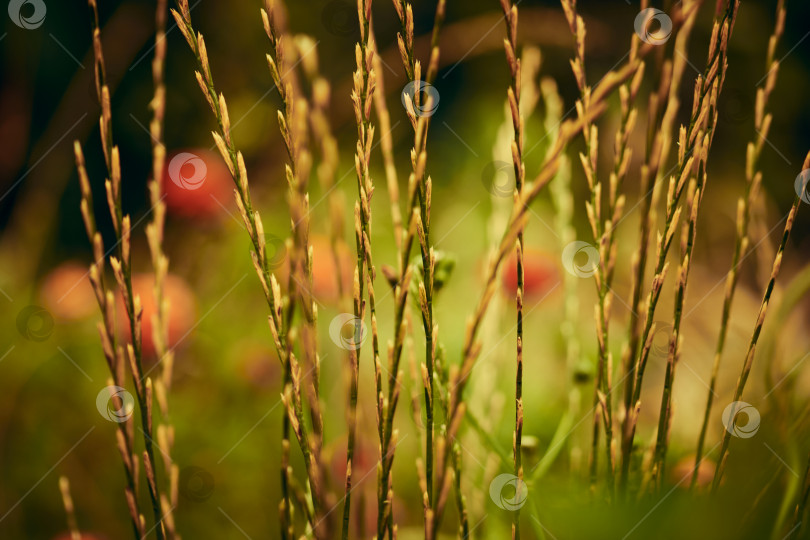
x: 619, y: 466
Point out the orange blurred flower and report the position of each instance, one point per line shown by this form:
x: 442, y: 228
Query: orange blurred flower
x: 324, y: 270
x: 66, y: 292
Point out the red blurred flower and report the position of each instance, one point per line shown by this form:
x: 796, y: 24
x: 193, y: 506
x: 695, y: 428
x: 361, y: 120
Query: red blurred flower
x: 197, y: 184
x: 540, y: 270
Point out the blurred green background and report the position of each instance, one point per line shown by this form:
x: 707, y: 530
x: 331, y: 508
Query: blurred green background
x: 225, y: 402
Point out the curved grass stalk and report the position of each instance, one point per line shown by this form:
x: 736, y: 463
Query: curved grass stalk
x: 763, y: 310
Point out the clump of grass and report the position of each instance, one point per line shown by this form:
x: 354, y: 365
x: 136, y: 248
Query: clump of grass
x: 418, y: 228
x: 293, y: 126
x: 293, y: 316
x: 694, y: 143
x: 567, y: 130
x: 658, y: 147
x: 706, y: 120
x: 753, y: 181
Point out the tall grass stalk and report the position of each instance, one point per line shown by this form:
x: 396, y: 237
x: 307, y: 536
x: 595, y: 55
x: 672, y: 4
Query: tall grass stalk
x: 326, y: 171
x: 362, y: 99
x: 418, y: 219
x: 510, y: 13
x: 293, y: 126
x: 753, y: 180
x: 695, y: 192
x: 752, y: 345
x: 601, y: 392
x: 113, y: 352
x: 420, y: 207
x: 122, y: 270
